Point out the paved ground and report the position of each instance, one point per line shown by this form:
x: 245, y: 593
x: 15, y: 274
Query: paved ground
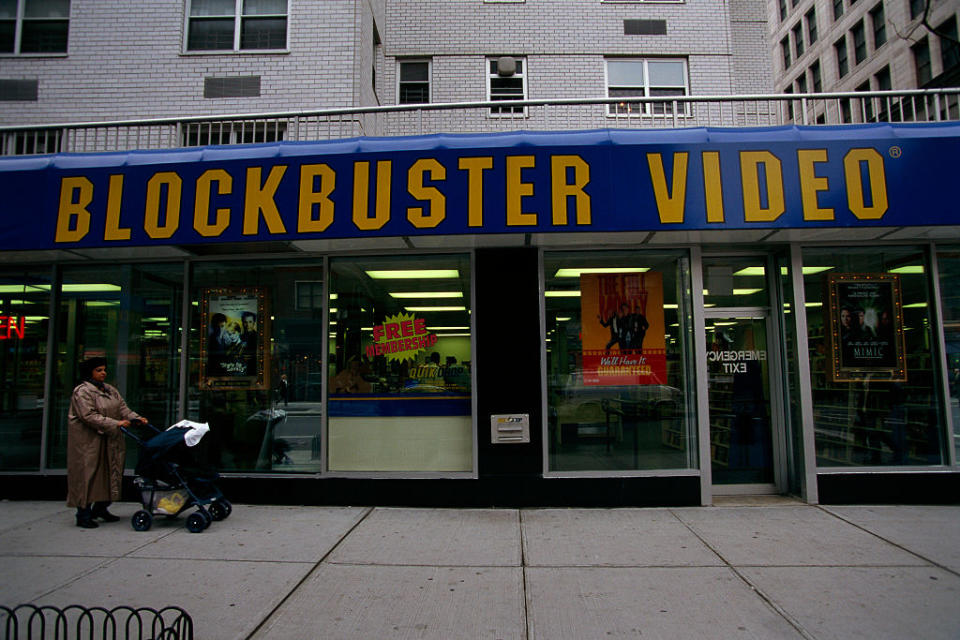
x: 783, y: 570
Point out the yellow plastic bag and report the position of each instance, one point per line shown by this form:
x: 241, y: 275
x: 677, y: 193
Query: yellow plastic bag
x: 172, y: 502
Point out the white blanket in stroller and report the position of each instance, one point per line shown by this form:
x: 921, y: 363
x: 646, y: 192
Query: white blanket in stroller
x: 196, y: 431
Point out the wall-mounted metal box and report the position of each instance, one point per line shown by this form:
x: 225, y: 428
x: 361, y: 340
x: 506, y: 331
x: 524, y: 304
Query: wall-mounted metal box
x: 510, y: 428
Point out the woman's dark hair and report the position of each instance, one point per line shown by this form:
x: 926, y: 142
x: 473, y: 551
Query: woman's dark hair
x: 88, y: 365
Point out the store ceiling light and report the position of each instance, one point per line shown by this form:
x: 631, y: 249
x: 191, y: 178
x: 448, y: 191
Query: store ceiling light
x: 561, y: 294
x: 916, y: 268
x: 576, y: 273
x: 434, y: 328
x: 23, y: 288
x: 435, y: 308
x: 427, y: 294
x: 412, y: 274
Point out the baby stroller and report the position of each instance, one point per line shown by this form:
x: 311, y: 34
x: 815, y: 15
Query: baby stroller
x: 169, y: 480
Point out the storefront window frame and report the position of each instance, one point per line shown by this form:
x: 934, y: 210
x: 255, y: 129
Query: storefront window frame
x: 687, y: 269
x: 939, y: 389
x: 473, y: 473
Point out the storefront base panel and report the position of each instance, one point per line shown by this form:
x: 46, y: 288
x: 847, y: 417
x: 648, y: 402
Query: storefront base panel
x: 889, y: 488
x: 506, y: 492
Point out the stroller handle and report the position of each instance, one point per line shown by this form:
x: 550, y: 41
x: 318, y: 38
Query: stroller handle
x: 134, y: 436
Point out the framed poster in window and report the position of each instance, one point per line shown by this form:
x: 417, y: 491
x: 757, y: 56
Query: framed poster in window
x: 866, y: 327
x: 233, y: 351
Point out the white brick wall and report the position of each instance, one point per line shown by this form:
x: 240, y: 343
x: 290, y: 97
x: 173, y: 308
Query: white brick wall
x: 118, y: 69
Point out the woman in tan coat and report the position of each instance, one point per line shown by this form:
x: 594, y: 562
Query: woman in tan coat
x: 95, y: 444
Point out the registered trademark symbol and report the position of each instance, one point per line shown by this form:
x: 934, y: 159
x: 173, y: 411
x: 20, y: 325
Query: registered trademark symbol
x: 895, y: 152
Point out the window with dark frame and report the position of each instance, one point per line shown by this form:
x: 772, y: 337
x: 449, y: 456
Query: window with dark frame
x: 785, y: 51
x: 843, y: 64
x: 802, y: 83
x: 413, y: 81
x: 867, y: 103
x: 921, y: 62
x: 949, y: 47
x: 202, y: 134
x: 798, y: 39
x: 34, y: 26
x: 783, y: 10
x: 237, y: 25
x: 916, y: 8
x: 883, y: 82
x: 816, y: 81
x: 858, y: 32
x: 811, y: 19
x: 837, y: 9
x: 879, y: 23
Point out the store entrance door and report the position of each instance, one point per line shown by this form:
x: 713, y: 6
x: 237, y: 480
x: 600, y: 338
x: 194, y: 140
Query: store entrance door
x: 742, y: 443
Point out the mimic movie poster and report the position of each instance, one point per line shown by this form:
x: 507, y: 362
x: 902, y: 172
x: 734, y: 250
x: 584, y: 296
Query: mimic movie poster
x: 866, y: 327
x: 623, y: 328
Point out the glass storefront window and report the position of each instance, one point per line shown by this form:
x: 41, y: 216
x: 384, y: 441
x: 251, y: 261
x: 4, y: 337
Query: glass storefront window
x: 619, y: 372
x: 256, y: 364
x: 949, y: 267
x: 399, y: 392
x: 24, y: 323
x: 130, y: 314
x: 870, y: 407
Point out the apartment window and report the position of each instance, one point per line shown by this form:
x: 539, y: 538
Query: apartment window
x: 921, y: 61
x: 843, y: 64
x: 34, y: 26
x: 30, y: 142
x: 949, y: 48
x: 816, y: 81
x: 236, y: 25
x: 652, y: 78
x: 802, y: 83
x: 879, y: 23
x: 883, y: 79
x: 798, y: 39
x: 217, y: 133
x: 506, y: 80
x: 783, y: 10
x: 811, y: 19
x: 413, y: 82
x: 916, y: 8
x: 789, y: 103
x: 867, y: 103
x: 837, y: 9
x: 785, y: 51
x: 859, y: 42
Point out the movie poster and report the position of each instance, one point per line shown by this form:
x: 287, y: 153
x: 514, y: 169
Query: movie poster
x: 623, y: 331
x: 233, y: 351
x: 866, y: 327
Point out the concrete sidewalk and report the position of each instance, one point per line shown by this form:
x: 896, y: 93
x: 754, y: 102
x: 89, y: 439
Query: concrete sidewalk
x: 783, y: 570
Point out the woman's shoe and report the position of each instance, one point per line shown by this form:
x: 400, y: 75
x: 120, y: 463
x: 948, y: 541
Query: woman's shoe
x: 100, y: 511
x: 85, y: 519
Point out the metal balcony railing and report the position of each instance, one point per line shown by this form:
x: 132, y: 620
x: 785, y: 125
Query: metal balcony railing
x: 922, y: 105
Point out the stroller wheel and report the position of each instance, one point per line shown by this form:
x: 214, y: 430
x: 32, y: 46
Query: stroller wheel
x: 218, y: 511
x: 196, y: 522
x: 141, y: 520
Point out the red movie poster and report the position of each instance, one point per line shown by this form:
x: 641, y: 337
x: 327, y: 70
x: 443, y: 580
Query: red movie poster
x: 623, y: 330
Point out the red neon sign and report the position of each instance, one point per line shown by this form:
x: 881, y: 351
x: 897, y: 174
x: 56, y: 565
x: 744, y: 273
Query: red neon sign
x: 12, y: 327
